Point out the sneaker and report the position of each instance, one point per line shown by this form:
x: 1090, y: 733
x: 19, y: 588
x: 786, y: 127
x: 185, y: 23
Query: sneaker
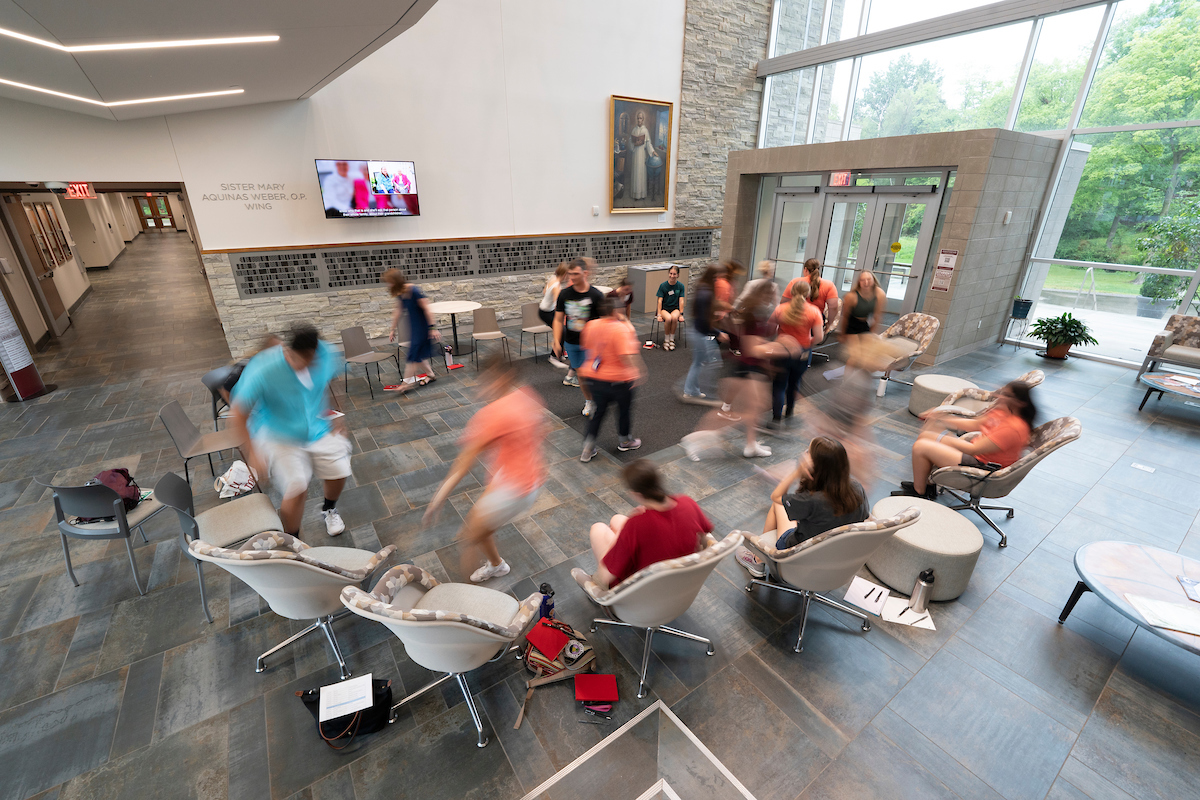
x: 697, y: 442
x: 333, y: 522
x: 632, y: 444
x: 487, y: 572
x: 589, y: 451
x: 700, y: 399
x: 907, y: 489
x: 571, y: 380
x: 757, y: 450
x: 560, y: 364
x: 729, y: 415
x: 750, y: 562
x: 588, y: 408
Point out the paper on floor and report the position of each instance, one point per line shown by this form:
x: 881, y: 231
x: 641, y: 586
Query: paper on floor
x: 896, y: 610
x: 834, y: 374
x: 866, y: 595
x: 346, y: 697
x: 1164, y: 614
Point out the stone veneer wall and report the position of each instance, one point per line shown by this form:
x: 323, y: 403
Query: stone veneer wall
x: 247, y: 322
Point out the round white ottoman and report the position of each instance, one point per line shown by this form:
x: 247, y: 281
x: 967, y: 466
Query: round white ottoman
x: 942, y: 540
x: 928, y: 391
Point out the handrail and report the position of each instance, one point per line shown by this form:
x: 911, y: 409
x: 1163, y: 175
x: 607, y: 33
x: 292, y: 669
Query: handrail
x: 1119, y: 267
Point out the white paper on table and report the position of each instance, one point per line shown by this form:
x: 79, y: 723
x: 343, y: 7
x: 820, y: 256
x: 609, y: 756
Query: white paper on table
x: 1164, y: 614
x: 861, y: 589
x: 896, y: 610
x: 346, y: 697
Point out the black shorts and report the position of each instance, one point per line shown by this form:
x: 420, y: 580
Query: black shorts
x: 969, y: 460
x: 855, y: 325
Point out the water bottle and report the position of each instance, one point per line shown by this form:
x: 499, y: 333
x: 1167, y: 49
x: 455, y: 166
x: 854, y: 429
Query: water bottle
x: 921, y: 592
x: 547, y: 609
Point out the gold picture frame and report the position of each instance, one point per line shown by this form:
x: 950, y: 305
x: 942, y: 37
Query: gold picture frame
x: 639, y: 166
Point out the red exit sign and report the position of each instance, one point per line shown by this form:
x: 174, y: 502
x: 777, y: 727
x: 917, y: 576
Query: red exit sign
x: 839, y: 178
x: 80, y: 190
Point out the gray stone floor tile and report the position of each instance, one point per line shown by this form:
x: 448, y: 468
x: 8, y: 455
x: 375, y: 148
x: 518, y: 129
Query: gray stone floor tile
x: 31, y: 662
x: 569, y: 523
x: 385, y: 462
x: 984, y: 726
x: 1120, y: 509
x: 411, y: 538
x: 143, y: 626
x: 525, y: 753
x: 14, y: 597
x: 939, y: 763
x: 249, y: 773
x: 135, y: 727
x: 1088, y: 783
x: 107, y: 581
x: 820, y: 729
x: 338, y: 786
x: 84, y: 654
x: 873, y: 766
x: 522, y: 559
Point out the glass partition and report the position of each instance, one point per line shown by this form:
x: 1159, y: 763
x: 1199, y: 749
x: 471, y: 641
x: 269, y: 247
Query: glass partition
x: 833, y: 101
x: 1064, y: 45
x: 789, y: 96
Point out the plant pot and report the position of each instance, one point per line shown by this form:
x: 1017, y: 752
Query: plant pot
x: 1150, y: 309
x: 1057, y: 351
x: 1021, y: 309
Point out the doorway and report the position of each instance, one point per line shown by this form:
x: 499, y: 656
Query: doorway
x: 886, y: 229
x: 154, y: 213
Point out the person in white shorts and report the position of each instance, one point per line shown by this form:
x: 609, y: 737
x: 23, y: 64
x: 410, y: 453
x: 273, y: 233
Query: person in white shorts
x: 282, y: 402
x: 510, y: 429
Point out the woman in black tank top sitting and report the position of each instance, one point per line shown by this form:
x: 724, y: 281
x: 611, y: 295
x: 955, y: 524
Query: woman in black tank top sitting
x: 863, y: 306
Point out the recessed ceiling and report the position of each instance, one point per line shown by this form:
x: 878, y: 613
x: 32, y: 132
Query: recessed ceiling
x: 318, y: 40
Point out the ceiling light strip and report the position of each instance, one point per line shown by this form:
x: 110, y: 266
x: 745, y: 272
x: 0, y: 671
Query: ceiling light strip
x: 95, y: 48
x: 119, y: 102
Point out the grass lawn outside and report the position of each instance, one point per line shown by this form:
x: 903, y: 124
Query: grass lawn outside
x: 1064, y: 277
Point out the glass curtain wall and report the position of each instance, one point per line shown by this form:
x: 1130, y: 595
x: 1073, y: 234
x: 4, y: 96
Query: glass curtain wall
x: 1117, y: 81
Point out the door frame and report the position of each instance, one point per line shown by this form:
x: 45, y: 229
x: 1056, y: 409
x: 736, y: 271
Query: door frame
x: 20, y: 236
x: 789, y: 194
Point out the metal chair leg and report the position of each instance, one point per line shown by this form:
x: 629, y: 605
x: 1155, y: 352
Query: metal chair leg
x: 186, y: 476
x: 326, y: 624
x: 259, y: 664
x: 203, y: 597
x: 418, y: 693
x: 693, y: 637
x: 211, y: 468
x: 367, y: 375
x: 829, y: 601
x: 462, y: 684
x: 803, y: 623
x: 606, y: 621
x: 142, y: 531
x: 133, y: 563
x: 346, y: 378
x: 973, y: 505
x: 645, y: 663
x: 67, y: 556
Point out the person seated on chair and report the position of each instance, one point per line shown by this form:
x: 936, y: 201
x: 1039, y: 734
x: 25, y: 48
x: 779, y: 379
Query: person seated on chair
x: 827, y: 497
x: 660, y: 528
x: 670, y: 306
x: 1005, y: 435
x: 622, y: 297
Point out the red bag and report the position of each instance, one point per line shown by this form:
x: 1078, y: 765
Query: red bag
x: 121, y: 482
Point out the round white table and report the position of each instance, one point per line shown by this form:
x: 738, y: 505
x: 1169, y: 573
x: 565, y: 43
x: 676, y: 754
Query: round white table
x: 603, y: 289
x: 454, y: 307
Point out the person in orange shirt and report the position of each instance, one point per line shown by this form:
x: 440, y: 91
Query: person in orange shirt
x: 822, y: 293
x: 511, y: 429
x: 1005, y: 432
x: 800, y: 329
x: 613, y: 367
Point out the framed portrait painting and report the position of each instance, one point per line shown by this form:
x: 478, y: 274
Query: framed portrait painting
x: 640, y: 140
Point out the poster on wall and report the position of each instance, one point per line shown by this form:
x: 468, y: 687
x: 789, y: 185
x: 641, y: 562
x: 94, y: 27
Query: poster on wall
x: 640, y: 133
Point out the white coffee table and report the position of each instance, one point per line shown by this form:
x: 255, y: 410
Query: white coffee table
x: 453, y: 308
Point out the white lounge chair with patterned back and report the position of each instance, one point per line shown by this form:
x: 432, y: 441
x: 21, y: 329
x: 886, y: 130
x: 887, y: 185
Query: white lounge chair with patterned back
x: 652, y: 597
x: 911, y: 335
x: 823, y: 563
x: 972, y: 403
x: 446, y: 627
x: 298, y: 581
x: 1178, y: 343
x: 979, y: 483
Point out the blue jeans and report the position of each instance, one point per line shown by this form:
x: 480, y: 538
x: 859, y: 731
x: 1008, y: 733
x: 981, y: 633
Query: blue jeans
x: 576, y: 355
x: 786, y: 383
x: 706, y: 355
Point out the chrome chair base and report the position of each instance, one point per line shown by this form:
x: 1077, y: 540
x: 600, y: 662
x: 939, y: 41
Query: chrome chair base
x: 649, y: 639
x: 461, y: 678
x: 325, y: 624
x: 973, y: 504
x: 805, y: 597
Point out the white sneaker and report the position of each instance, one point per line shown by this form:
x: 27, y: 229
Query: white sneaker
x: 333, y: 522
x: 487, y: 572
x: 559, y: 364
x: 697, y: 442
x: 757, y: 450
x: 725, y: 413
x: 588, y: 408
x: 750, y: 562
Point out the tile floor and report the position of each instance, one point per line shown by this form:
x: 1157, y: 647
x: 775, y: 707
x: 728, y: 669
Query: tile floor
x: 107, y: 694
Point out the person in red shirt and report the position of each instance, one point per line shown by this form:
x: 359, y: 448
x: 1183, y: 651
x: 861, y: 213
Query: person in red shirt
x: 1005, y: 432
x: 822, y: 293
x: 800, y: 329
x: 660, y: 528
x: 510, y: 430
x: 613, y: 367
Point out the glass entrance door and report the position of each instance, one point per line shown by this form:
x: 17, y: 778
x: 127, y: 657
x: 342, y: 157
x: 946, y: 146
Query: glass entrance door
x: 844, y: 239
x: 792, y: 227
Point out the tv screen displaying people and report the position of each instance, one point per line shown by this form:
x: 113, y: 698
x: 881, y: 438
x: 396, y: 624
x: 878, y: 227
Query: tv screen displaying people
x: 352, y: 189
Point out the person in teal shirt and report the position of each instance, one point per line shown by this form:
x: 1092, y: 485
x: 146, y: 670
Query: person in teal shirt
x: 670, y: 306
x: 282, y: 403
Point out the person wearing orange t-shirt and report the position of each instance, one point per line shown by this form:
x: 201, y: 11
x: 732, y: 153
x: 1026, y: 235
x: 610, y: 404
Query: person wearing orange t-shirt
x: 510, y: 430
x: 800, y: 328
x: 822, y: 293
x: 1003, y: 436
x: 612, y: 368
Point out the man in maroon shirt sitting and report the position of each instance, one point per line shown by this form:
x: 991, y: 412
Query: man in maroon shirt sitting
x: 660, y: 528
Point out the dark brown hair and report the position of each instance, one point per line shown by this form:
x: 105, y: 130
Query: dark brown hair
x: 831, y: 475
x: 641, y: 476
x: 1023, y: 393
x: 813, y: 267
x: 396, y: 282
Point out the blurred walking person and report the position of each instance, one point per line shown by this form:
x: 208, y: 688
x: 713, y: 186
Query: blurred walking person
x: 800, y: 329
x: 578, y: 304
x: 411, y: 302
x: 613, y: 368
x: 706, y: 355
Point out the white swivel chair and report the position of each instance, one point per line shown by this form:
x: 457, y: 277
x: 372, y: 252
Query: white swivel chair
x: 222, y: 526
x: 972, y: 403
x: 911, y: 336
x: 298, y: 581
x: 446, y: 627
x: 824, y: 562
x: 652, y: 597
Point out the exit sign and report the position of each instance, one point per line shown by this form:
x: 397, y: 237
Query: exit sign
x: 80, y: 190
x: 839, y: 178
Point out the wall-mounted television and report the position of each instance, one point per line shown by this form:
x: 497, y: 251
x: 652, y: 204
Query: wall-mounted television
x: 352, y: 189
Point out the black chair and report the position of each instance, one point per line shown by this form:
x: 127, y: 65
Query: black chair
x: 213, y: 381
x: 72, y: 503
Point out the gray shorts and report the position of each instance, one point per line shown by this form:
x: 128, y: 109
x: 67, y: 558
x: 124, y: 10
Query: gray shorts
x: 501, y: 504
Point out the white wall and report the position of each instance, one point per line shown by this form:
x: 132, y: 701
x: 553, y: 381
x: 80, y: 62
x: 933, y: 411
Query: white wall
x: 126, y: 224
x: 502, y: 104
x: 95, y: 243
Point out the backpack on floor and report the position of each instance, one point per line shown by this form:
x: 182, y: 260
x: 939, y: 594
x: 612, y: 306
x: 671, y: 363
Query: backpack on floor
x: 554, y: 652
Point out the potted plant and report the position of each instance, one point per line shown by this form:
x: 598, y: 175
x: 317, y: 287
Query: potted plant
x: 1021, y: 307
x: 1060, y: 333
x: 1159, y: 294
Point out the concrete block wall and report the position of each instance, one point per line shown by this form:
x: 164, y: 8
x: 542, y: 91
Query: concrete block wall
x: 247, y: 322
